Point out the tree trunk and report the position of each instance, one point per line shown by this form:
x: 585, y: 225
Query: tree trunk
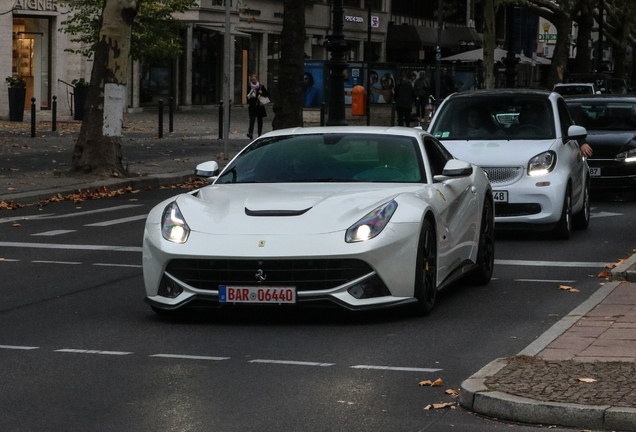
x: 288, y: 103
x: 561, y: 51
x: 98, y: 147
x: 490, y: 42
x: 582, y: 62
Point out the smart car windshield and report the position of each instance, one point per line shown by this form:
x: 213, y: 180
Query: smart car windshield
x: 346, y: 157
x: 604, y: 114
x: 505, y: 117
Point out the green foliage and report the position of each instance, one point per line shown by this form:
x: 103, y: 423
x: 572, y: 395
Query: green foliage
x: 16, y: 82
x: 155, y: 32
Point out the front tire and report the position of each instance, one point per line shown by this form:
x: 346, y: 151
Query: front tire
x: 486, y: 252
x: 581, y: 220
x: 426, y: 269
x: 563, y: 229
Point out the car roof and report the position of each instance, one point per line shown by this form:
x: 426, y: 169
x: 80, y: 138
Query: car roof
x: 502, y: 92
x: 606, y: 97
x: 574, y: 84
x: 382, y: 130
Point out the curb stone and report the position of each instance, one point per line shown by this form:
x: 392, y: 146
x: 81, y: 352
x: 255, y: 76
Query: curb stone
x: 476, y: 396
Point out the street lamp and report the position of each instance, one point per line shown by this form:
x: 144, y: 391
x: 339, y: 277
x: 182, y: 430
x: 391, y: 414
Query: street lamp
x: 338, y: 46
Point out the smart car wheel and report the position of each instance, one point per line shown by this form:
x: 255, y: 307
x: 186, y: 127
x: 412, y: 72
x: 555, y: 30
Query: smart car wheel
x: 426, y: 269
x: 581, y: 220
x: 486, y: 252
x: 563, y: 228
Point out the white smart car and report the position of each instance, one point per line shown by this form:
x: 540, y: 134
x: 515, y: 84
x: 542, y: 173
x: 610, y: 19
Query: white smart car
x: 527, y: 144
x: 359, y: 217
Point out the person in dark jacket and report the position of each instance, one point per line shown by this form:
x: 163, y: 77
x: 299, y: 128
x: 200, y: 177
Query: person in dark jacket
x: 255, y: 109
x: 404, y: 97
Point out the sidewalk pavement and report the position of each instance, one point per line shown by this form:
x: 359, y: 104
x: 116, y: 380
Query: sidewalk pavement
x: 580, y: 373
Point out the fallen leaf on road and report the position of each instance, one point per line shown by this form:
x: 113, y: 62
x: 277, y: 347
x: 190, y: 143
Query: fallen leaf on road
x: 568, y: 288
x: 452, y: 392
x: 11, y: 189
x: 16, y: 225
x: 14, y: 169
x: 437, y: 383
x: 604, y: 274
x: 441, y: 405
x: 587, y: 380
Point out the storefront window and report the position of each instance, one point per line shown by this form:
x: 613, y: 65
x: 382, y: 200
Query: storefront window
x: 207, y: 65
x: 31, y: 58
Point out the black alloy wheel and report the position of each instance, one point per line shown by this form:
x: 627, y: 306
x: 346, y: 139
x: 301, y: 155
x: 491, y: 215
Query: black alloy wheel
x: 486, y: 252
x: 563, y: 229
x: 426, y: 269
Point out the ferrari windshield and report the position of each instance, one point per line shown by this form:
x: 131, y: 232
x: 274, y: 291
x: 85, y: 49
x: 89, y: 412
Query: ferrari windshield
x: 604, y: 114
x: 490, y: 117
x: 333, y: 157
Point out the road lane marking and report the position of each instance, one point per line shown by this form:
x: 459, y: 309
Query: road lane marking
x: 544, y: 280
x: 17, y: 347
x: 118, y: 265
x: 189, y: 357
x: 89, y: 212
x: 24, y: 218
x: 81, y: 351
x: 55, y: 262
x: 394, y: 368
x: 53, y: 233
x: 291, y: 362
x: 549, y: 263
x: 118, y: 221
x: 9, y: 260
x: 604, y: 214
x: 73, y: 247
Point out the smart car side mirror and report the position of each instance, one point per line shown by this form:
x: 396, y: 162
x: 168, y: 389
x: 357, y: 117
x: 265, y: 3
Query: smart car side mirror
x: 455, y: 169
x: 576, y: 132
x: 207, y: 169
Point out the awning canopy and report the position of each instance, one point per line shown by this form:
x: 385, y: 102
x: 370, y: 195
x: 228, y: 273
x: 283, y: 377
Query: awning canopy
x: 221, y: 29
x: 409, y: 37
x: 478, y: 54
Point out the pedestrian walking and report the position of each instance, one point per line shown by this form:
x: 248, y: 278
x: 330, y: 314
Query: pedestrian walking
x: 404, y: 98
x: 256, y: 107
x: 422, y: 87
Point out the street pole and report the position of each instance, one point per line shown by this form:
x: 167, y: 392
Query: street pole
x: 510, y: 61
x: 338, y: 46
x: 368, y: 99
x: 599, y: 49
x: 438, y: 53
x: 226, y: 80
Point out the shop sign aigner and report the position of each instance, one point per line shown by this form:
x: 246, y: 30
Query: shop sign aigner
x: 36, y: 5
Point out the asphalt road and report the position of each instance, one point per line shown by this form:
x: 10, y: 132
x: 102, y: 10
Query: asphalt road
x: 80, y: 350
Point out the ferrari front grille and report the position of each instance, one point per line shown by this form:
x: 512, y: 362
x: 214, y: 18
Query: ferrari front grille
x: 304, y: 274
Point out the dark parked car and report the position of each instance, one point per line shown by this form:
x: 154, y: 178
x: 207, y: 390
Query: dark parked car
x: 610, y: 121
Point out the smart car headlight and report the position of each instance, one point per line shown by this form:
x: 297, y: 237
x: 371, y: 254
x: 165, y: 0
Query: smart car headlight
x: 542, y: 164
x: 372, y: 224
x: 173, y: 226
x: 628, y: 156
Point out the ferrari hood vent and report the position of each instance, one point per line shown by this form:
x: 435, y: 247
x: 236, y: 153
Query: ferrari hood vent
x: 275, y: 213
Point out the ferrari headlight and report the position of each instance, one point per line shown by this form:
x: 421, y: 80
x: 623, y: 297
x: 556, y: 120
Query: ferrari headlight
x: 542, y: 164
x: 372, y: 224
x: 173, y: 226
x: 628, y: 156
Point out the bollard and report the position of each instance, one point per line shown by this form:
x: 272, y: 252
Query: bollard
x: 221, y: 120
x: 322, y: 114
x: 160, y: 118
x: 32, y: 117
x: 54, y: 115
x: 393, y: 114
x: 171, y: 115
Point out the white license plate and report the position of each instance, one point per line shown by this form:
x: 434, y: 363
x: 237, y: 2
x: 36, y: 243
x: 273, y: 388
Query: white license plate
x: 595, y: 172
x: 500, y: 196
x: 251, y: 294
